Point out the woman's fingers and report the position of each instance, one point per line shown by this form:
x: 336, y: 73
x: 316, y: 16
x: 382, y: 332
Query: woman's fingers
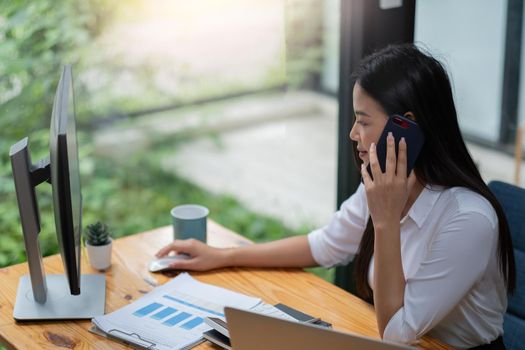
x: 366, y: 177
x: 201, y: 257
x: 164, y: 251
x: 177, y: 246
x: 181, y: 264
x: 402, y: 159
x: 374, y: 162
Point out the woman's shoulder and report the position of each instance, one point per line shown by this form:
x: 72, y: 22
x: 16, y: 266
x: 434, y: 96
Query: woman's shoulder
x: 464, y: 201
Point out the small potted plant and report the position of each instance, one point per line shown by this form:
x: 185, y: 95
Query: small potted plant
x: 98, y: 243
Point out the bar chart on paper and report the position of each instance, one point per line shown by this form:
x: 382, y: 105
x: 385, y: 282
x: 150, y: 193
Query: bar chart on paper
x: 179, y: 310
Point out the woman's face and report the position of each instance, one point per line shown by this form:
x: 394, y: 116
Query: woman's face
x: 370, y: 120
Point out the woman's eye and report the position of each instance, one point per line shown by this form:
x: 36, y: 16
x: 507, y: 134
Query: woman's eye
x: 360, y: 122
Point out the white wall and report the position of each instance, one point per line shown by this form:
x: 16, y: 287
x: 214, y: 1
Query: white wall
x: 468, y: 36
x: 330, y: 72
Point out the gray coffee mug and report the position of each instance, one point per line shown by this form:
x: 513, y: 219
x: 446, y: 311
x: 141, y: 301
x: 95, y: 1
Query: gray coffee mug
x: 189, y: 221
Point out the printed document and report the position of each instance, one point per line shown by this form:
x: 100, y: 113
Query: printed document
x: 172, y: 315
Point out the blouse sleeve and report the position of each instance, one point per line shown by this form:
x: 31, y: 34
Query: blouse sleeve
x: 456, y: 259
x: 338, y: 242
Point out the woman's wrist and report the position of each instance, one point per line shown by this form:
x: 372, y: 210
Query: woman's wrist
x: 385, y: 227
x: 227, y: 257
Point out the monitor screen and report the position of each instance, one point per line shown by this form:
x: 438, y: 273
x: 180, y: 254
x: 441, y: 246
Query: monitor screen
x: 65, y: 179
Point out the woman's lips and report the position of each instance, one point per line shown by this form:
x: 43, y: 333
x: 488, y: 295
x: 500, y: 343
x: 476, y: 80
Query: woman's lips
x: 362, y: 154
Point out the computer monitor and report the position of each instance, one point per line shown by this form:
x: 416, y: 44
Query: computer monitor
x: 65, y: 180
x: 55, y: 296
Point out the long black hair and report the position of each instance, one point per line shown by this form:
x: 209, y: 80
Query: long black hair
x: 402, y: 78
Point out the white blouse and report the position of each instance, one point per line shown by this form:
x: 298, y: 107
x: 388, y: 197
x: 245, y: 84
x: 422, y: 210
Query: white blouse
x: 454, y: 289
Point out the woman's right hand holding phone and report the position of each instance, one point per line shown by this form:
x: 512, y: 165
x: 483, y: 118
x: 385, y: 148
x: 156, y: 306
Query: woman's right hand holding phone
x: 387, y: 193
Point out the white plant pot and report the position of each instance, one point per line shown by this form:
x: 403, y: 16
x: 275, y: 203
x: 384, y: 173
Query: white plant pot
x: 100, y: 256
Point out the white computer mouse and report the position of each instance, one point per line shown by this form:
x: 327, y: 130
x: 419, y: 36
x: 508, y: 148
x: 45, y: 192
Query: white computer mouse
x: 164, y: 262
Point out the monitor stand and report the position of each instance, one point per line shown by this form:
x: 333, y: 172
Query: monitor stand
x: 60, y: 304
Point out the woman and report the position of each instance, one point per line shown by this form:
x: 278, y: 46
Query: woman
x: 433, y: 249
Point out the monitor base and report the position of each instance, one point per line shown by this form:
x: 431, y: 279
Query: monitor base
x: 60, y: 304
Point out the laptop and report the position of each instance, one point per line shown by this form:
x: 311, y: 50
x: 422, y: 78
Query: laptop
x: 251, y: 331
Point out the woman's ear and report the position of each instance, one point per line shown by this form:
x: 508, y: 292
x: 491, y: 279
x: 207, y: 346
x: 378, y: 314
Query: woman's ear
x: 410, y: 115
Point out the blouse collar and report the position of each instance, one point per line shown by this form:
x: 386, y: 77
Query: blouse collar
x: 424, y: 204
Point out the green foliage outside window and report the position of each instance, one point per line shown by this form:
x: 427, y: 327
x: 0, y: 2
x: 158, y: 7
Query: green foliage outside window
x: 36, y: 39
x: 133, y: 195
x: 304, y: 50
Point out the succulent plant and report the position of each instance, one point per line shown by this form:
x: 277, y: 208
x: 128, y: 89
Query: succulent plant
x: 97, y: 234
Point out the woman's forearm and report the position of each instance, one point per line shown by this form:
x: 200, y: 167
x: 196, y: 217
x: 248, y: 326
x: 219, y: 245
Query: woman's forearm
x: 288, y: 252
x: 389, y: 278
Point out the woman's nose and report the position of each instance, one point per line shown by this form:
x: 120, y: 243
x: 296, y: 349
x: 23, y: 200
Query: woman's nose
x: 353, y: 133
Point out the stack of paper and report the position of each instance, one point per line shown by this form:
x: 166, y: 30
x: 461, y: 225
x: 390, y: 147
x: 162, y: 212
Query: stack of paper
x: 172, y: 315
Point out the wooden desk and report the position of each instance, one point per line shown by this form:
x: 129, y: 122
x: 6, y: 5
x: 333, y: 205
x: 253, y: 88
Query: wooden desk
x: 128, y: 279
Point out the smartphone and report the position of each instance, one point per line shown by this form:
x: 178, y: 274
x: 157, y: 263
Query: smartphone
x: 218, y: 324
x: 400, y: 127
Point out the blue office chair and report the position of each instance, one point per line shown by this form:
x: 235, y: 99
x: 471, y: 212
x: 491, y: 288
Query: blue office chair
x: 512, y: 199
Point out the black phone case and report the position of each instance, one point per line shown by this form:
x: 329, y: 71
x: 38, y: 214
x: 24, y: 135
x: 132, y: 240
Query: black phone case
x: 400, y: 127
